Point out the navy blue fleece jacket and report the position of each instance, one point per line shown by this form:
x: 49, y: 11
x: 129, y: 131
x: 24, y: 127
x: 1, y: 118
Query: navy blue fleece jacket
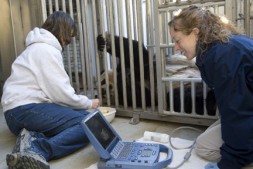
x: 228, y: 69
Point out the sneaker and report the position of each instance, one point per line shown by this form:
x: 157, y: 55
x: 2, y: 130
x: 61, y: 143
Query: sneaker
x: 23, y: 141
x: 26, y: 160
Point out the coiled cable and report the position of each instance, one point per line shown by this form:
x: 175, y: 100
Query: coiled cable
x: 188, y: 154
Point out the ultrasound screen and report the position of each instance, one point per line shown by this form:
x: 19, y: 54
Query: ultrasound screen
x: 101, y: 130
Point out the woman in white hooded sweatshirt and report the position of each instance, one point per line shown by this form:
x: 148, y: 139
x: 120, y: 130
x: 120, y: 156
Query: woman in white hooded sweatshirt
x: 39, y: 103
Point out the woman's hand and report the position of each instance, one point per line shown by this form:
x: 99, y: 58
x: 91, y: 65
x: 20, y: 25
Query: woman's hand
x: 95, y: 103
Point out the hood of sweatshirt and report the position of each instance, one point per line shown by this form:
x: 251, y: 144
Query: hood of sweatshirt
x: 40, y: 35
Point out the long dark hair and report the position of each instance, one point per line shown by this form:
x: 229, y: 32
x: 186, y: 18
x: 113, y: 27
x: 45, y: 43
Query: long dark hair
x: 62, y: 26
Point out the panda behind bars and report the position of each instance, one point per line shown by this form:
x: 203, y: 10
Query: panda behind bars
x: 199, y: 104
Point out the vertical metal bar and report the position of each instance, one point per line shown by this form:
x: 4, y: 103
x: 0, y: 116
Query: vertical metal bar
x: 134, y: 18
x: 88, y: 54
x: 122, y: 57
x: 95, y: 34
x: 67, y: 51
x: 69, y: 67
x: 151, y: 61
x: 163, y: 26
x: 107, y: 5
x: 13, y: 29
x: 105, y: 58
x: 75, y: 61
x: 171, y: 97
x: 140, y: 42
x: 44, y: 10
x: 239, y: 8
x: 204, y: 96
x: 56, y: 3
x: 152, y: 21
x: 68, y: 56
x: 166, y: 32
x: 216, y: 9
x: 129, y: 31
x: 169, y: 39
x: 230, y: 10
x: 158, y: 59
x: 50, y: 4
x: 182, y: 96
x: 110, y: 4
x: 84, y: 51
x: 63, y: 5
x: 81, y: 45
x: 193, y: 96
x: 163, y: 88
x: 165, y: 98
x: 247, y: 16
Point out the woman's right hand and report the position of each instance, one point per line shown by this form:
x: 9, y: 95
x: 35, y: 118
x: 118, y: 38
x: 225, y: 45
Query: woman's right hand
x: 95, y: 103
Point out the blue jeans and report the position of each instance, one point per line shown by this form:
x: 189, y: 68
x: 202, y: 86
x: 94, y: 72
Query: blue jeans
x: 58, y: 128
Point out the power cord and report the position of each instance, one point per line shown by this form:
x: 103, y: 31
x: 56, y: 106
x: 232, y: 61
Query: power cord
x: 188, y: 154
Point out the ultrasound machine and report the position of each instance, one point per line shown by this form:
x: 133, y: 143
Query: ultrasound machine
x: 115, y: 153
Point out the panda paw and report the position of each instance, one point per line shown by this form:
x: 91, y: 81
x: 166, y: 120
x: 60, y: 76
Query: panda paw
x: 100, y: 42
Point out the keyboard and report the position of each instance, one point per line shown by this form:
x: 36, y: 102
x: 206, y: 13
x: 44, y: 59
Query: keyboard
x: 122, y: 150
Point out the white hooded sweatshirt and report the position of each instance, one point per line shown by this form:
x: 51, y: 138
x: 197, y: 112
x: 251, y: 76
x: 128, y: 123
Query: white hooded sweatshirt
x: 38, y: 75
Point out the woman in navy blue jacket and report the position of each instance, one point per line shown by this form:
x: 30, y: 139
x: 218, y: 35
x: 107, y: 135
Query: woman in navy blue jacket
x: 225, y: 59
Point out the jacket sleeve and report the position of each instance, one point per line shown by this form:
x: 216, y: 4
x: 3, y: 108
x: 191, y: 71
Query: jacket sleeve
x: 232, y: 79
x: 54, y: 81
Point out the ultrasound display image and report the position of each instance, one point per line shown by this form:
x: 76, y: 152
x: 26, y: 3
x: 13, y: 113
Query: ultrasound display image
x: 100, y: 130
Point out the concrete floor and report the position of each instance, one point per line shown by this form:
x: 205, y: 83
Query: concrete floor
x: 88, y: 156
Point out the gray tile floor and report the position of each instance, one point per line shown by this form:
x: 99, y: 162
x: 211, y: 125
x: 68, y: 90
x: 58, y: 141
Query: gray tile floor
x: 87, y: 156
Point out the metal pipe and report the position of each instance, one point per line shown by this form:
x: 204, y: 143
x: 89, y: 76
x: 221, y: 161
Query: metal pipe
x: 140, y: 42
x: 104, y: 55
x: 114, y: 63
x: 158, y: 55
x: 150, y: 52
x: 13, y: 29
x: 74, y: 52
x: 129, y: 31
x: 196, y: 79
x: 247, y: 16
x: 193, y: 97
x: 122, y: 56
x: 97, y: 59
x: 88, y: 58
x: 182, y: 96
x: 173, y: 7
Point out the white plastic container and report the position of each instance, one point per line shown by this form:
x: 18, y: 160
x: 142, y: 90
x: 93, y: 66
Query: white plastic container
x: 110, y: 113
x: 157, y: 137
